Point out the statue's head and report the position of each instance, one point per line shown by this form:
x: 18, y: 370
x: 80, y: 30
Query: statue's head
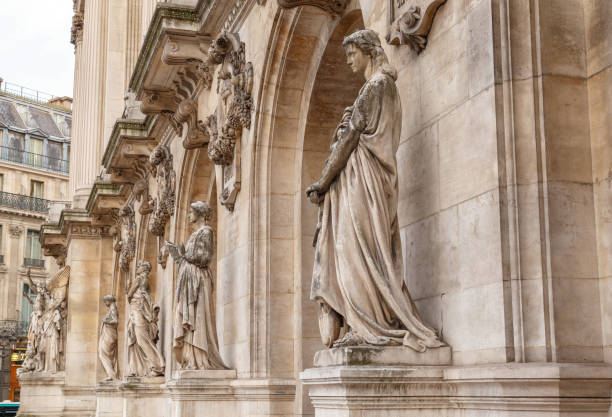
x: 362, y: 48
x: 109, y: 299
x: 143, y: 267
x: 199, y: 210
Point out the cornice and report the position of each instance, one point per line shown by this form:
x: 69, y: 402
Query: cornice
x: 166, y: 15
x: 125, y: 128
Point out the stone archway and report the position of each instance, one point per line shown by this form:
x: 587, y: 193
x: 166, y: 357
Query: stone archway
x: 297, y: 116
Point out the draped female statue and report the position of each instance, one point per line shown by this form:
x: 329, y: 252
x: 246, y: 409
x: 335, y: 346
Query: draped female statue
x: 108, y: 339
x: 144, y: 359
x: 357, y: 275
x: 195, y: 330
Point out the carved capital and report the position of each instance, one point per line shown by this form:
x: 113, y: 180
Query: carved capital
x: 76, y: 31
x: 15, y: 230
x: 334, y: 7
x: 412, y: 28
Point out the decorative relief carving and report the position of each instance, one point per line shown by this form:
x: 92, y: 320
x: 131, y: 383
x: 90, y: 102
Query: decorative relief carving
x: 163, y: 204
x: 334, y: 7
x: 141, y: 187
x: 76, y: 31
x: 59, y: 252
x: 412, y: 28
x: 235, y: 82
x: 189, y: 51
x: 127, y: 245
x: 89, y: 231
x: 15, y: 230
x: 233, y: 113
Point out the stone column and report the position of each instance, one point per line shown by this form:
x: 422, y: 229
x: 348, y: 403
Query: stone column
x: 87, y: 135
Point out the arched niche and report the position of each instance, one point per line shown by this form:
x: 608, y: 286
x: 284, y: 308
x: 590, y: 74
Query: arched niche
x: 306, y: 86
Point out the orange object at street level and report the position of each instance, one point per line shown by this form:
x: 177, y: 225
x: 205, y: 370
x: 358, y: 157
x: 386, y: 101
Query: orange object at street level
x: 16, y: 361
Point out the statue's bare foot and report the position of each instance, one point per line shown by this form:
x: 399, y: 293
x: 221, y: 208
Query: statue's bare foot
x: 349, y: 339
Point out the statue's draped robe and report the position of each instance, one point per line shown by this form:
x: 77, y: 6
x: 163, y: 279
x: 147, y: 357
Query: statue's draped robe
x: 358, y: 260
x: 108, y: 344
x: 195, y: 332
x: 143, y: 357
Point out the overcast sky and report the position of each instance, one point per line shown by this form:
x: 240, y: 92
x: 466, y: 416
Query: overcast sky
x: 35, y: 48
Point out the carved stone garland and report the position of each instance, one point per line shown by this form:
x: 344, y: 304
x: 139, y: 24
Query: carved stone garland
x: 163, y: 204
x: 126, y: 232
x: 411, y: 28
x: 233, y: 113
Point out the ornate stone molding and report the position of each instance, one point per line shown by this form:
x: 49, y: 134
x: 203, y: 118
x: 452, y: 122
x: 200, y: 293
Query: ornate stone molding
x: 76, y: 31
x: 412, y: 28
x: 189, y: 51
x: 334, y: 7
x: 140, y: 190
x: 15, y: 230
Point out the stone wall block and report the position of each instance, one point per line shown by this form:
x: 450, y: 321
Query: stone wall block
x: 468, y: 150
x: 417, y: 162
x: 568, y: 148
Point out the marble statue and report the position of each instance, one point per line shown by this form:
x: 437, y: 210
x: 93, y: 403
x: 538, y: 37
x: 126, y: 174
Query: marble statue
x: 357, y: 274
x: 47, y: 332
x: 195, y: 333
x: 144, y: 359
x: 108, y: 339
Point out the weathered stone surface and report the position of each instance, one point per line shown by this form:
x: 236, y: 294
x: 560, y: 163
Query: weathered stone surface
x: 388, y: 355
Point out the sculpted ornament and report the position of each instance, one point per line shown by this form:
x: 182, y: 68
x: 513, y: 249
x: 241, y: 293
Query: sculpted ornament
x: 127, y: 245
x: 412, y: 28
x: 235, y: 82
x: 163, y: 205
x: 195, y: 331
x: 108, y: 339
x: 47, y: 332
x: 144, y: 359
x: 233, y: 113
x: 357, y: 275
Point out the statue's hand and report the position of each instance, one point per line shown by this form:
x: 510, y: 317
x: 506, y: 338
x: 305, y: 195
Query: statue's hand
x: 315, y: 193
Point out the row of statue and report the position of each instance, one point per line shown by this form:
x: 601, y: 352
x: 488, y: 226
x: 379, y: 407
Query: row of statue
x: 195, y: 344
x: 357, y: 275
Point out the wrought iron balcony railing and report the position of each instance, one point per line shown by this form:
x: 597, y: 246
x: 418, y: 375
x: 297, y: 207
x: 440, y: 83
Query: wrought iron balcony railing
x: 36, y: 263
x: 35, y: 160
x: 14, y: 327
x: 23, y: 202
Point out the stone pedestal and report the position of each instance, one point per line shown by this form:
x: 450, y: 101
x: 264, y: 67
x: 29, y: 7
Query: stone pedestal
x: 42, y: 394
x: 205, y: 393
x: 373, y: 355
x: 508, y: 390
x: 144, y: 396
x: 109, y: 399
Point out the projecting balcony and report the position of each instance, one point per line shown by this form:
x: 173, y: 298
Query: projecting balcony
x: 34, y: 263
x: 17, y: 156
x: 23, y: 202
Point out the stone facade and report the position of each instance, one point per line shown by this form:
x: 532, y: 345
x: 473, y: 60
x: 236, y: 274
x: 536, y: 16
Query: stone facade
x: 504, y: 188
x: 34, y: 166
